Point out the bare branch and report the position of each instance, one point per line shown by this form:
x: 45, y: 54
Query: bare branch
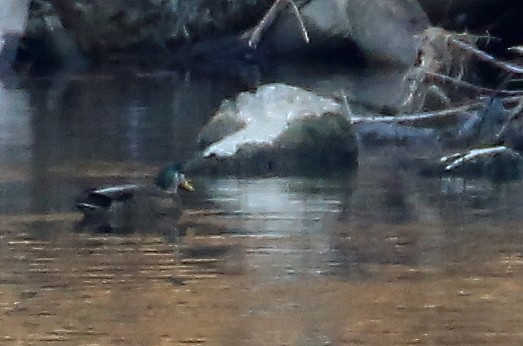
x: 483, y: 56
x: 457, y: 160
x: 265, y: 23
x: 297, y: 13
x: 516, y: 49
x: 471, y: 86
x: 269, y: 18
x: 419, y: 118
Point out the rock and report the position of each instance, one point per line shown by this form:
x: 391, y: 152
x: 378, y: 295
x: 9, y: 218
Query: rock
x: 47, y: 42
x: 277, y: 130
x: 159, y: 31
x: 124, y: 30
x: 229, y: 56
x: 326, y: 23
x: 222, y: 124
x: 13, y: 20
x: 380, y: 134
x: 382, y: 29
x: 156, y: 30
x: 385, y: 29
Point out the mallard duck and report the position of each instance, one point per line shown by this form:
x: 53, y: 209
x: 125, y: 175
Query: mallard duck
x: 134, y: 207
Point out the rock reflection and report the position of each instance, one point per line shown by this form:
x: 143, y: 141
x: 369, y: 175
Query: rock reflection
x: 278, y: 206
x: 15, y: 143
x: 281, y: 221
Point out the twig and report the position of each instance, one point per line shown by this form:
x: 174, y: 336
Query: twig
x: 416, y: 118
x: 506, y: 99
x: 265, y: 23
x: 297, y: 13
x: 516, y: 49
x: 483, y: 56
x: 346, y: 109
x: 471, y: 86
x: 269, y: 18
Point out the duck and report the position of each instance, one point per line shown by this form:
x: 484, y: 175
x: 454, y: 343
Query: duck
x: 134, y: 207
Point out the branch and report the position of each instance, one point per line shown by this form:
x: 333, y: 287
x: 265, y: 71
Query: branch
x: 269, y: 18
x: 416, y: 119
x: 483, y: 56
x: 471, y: 86
x: 297, y: 13
x: 456, y: 160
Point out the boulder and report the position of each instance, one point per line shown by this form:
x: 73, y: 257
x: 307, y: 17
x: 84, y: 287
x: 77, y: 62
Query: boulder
x: 277, y: 130
x: 383, y: 30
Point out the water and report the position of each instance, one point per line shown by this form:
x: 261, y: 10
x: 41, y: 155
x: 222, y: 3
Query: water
x: 379, y: 257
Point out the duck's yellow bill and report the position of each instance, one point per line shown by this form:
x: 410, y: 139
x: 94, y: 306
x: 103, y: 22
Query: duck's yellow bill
x: 186, y: 186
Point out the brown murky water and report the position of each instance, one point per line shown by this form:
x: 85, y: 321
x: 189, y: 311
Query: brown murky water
x: 383, y: 257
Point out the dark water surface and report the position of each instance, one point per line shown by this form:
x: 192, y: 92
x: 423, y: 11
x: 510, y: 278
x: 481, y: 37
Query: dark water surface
x: 381, y: 257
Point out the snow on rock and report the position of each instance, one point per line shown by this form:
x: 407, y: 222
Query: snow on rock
x: 267, y: 114
x: 276, y: 130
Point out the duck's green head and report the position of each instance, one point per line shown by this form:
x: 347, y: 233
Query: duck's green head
x: 171, y: 177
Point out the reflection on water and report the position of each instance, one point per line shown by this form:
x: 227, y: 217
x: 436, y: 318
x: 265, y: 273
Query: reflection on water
x: 284, y: 204
x: 379, y: 257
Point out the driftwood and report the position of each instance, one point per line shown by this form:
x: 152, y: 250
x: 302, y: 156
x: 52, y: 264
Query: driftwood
x: 456, y: 160
x: 480, y: 115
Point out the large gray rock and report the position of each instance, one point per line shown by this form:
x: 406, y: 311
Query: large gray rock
x: 384, y: 30
x: 277, y: 130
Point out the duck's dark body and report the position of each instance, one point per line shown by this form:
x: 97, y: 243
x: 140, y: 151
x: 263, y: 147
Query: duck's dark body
x: 133, y: 207
x: 130, y: 208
